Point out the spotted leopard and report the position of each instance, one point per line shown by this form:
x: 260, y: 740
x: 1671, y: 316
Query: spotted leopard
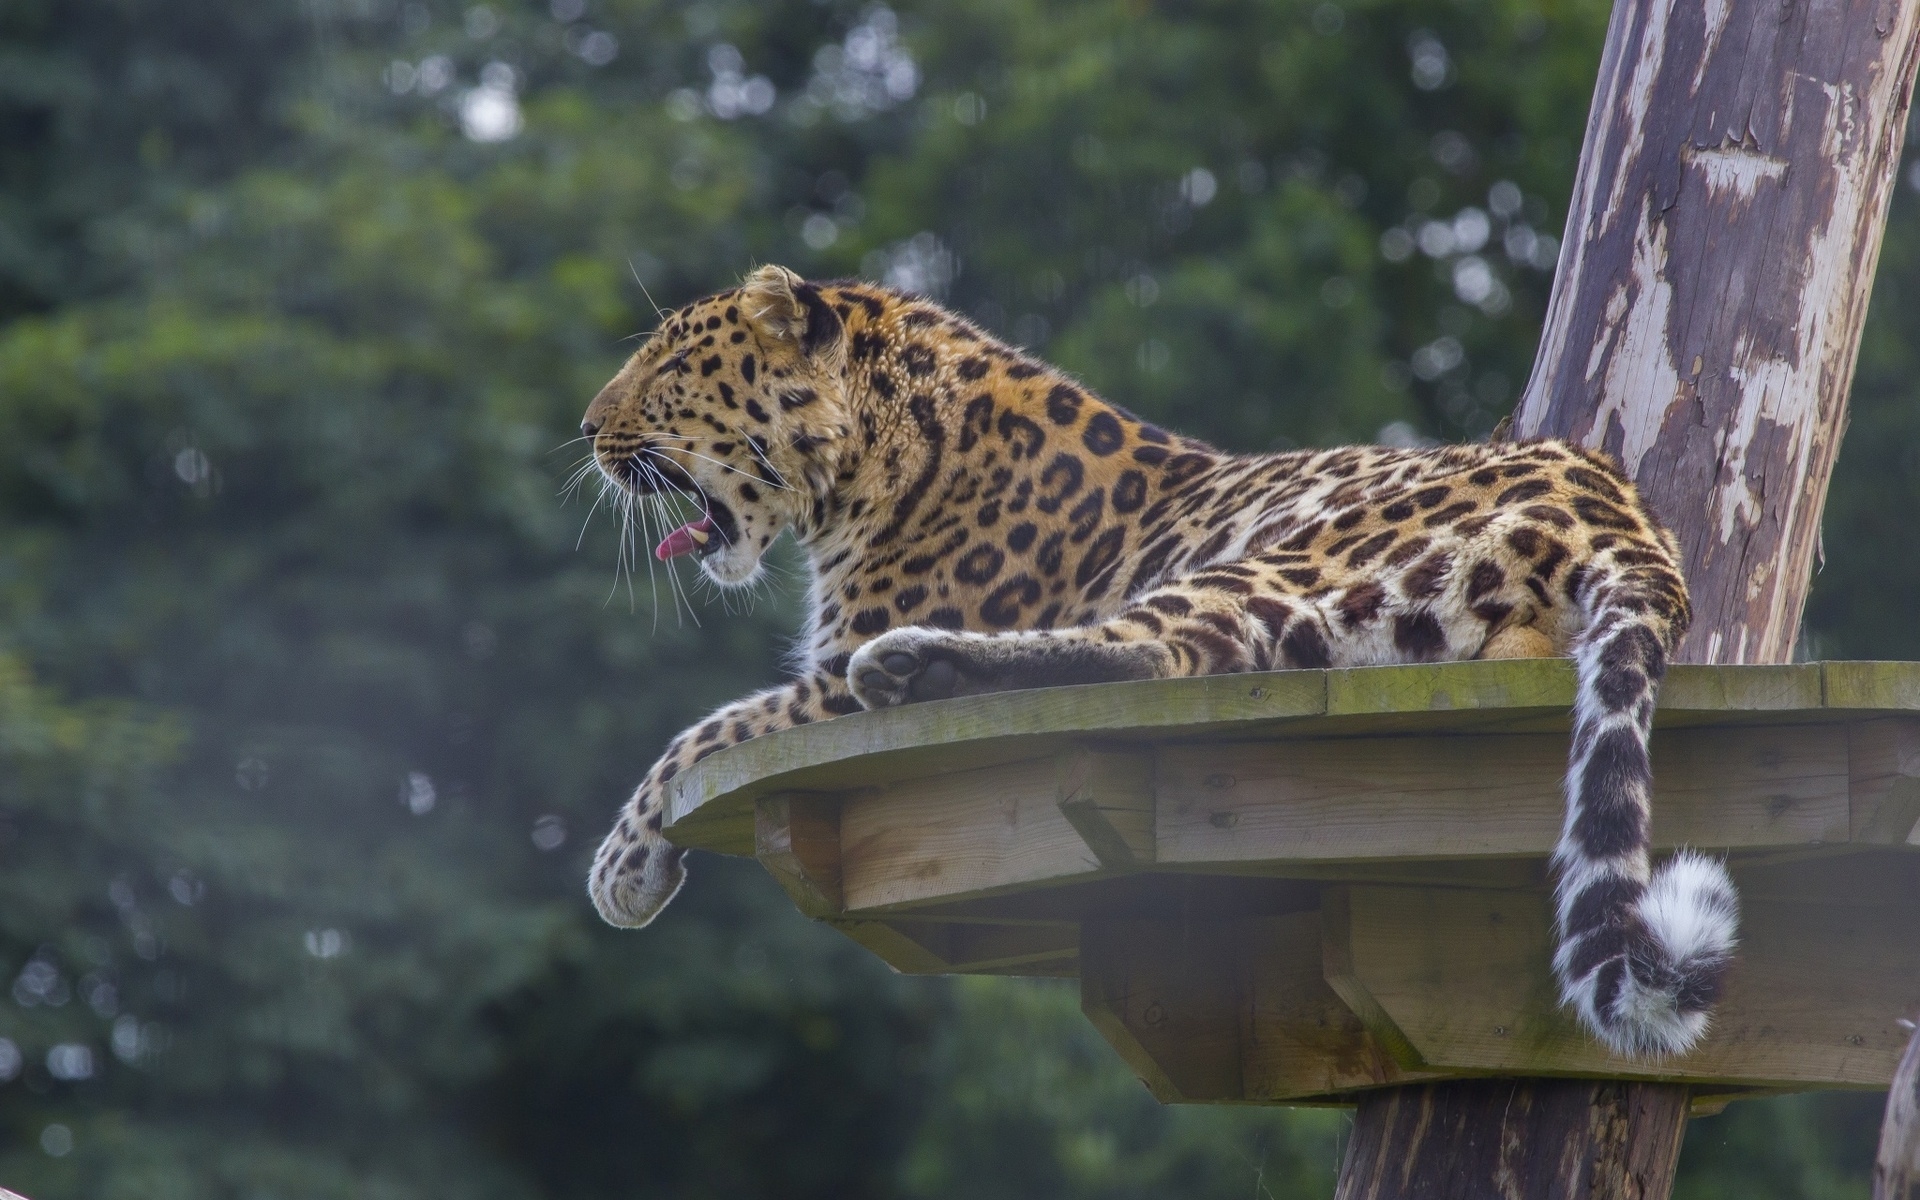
x: 978, y: 521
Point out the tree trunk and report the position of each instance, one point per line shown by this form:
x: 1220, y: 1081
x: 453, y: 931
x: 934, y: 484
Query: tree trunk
x: 1703, y: 328
x: 1896, y: 1168
x: 1524, y: 1138
x: 1719, y: 253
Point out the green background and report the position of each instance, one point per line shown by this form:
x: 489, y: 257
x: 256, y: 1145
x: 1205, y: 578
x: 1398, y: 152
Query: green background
x: 315, y: 693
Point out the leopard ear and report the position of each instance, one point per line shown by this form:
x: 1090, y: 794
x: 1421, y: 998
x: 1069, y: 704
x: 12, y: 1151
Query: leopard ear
x: 786, y: 308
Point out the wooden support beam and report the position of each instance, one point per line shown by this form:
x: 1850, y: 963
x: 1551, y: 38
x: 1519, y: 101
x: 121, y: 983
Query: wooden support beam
x: 1347, y: 980
x: 1228, y: 1010
x: 1884, y: 781
x: 1490, y: 795
x: 1463, y: 977
x: 990, y: 949
x: 964, y: 834
x: 1298, y: 1038
x: 797, y: 839
x: 1107, y: 795
x: 890, y: 945
x: 1167, y: 996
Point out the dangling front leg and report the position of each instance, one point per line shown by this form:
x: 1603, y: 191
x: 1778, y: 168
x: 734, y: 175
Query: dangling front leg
x: 637, y: 871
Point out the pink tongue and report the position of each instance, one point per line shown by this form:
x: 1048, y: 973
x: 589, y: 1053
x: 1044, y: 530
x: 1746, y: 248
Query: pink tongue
x: 685, y: 540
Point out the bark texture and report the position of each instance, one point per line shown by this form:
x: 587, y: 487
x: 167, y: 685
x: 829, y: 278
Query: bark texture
x: 1896, y: 1168
x: 1515, y: 1139
x: 1713, y: 280
x: 1704, y: 325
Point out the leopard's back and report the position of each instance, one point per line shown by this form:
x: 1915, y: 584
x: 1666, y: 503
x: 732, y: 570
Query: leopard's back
x: 1015, y: 500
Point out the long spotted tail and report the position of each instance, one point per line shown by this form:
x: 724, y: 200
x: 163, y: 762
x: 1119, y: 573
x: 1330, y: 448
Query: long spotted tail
x: 1641, y: 955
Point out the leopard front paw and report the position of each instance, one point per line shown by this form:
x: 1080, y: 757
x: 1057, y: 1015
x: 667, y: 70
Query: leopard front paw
x: 904, y: 666
x: 636, y: 872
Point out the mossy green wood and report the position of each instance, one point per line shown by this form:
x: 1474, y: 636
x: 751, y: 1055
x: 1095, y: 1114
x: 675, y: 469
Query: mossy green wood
x: 711, y: 804
x: 1326, y: 830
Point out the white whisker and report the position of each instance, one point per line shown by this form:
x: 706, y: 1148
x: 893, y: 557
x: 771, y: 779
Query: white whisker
x: 723, y: 466
x: 660, y: 511
x: 606, y: 485
x: 579, y: 476
x: 658, y: 312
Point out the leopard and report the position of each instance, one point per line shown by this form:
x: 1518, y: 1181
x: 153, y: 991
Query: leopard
x: 974, y: 521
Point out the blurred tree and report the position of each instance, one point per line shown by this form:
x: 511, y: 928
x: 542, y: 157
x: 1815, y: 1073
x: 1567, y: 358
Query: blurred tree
x: 108, y: 109
x: 311, y: 710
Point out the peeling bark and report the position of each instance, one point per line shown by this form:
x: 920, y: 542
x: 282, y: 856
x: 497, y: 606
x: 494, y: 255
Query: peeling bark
x: 1514, y: 1139
x: 1896, y: 1166
x: 1704, y: 324
x: 1714, y: 277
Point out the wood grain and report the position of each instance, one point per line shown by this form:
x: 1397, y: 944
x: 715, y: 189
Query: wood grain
x: 1718, y: 256
x: 797, y: 839
x: 1298, y: 1037
x: 1884, y: 780
x: 1107, y: 795
x: 1434, y: 798
x: 1896, y: 1162
x: 964, y: 834
x: 1228, y: 1011
x: 994, y: 949
x: 1514, y: 1139
x: 1167, y: 996
x: 711, y: 804
x: 1464, y: 977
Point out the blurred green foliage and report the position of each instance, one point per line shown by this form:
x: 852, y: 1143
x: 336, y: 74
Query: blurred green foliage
x: 315, y: 694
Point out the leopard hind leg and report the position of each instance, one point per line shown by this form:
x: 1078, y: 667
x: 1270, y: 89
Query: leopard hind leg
x: 1520, y: 641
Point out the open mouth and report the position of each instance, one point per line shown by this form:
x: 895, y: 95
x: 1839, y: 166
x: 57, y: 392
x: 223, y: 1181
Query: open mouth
x: 716, y: 526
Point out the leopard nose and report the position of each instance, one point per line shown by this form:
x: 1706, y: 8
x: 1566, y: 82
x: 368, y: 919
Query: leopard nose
x: 589, y: 427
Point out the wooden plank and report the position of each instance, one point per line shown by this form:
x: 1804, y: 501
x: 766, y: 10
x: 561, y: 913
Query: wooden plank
x: 1884, y: 772
x: 797, y: 840
x: 1528, y: 874
x: 1167, y: 995
x: 1451, y: 687
x: 1886, y: 686
x: 1137, y: 895
x: 1813, y: 1000
x: 1107, y: 795
x: 960, y: 835
x: 1438, y: 798
x: 1298, y: 1039
x: 705, y: 803
x: 1717, y: 690
x: 1343, y: 977
x: 893, y: 947
x: 1854, y: 877
x: 994, y: 949
x: 710, y: 804
x: 1228, y: 1010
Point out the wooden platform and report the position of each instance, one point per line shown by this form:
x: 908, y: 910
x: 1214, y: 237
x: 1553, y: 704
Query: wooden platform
x: 1288, y: 887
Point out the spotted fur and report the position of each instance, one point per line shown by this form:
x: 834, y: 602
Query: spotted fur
x: 978, y: 521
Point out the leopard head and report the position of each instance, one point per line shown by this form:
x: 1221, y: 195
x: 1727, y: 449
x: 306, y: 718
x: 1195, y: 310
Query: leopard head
x: 736, y: 407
